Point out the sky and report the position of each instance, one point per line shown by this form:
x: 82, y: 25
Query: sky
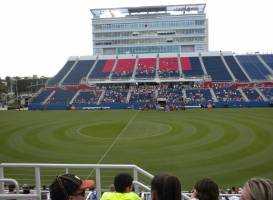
x: 38, y: 36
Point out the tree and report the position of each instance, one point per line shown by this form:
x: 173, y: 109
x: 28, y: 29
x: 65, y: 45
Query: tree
x: 3, y: 88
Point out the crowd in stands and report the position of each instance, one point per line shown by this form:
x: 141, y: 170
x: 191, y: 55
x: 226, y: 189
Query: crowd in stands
x: 146, y: 68
x: 163, y: 187
x: 252, y: 94
x: 87, y: 97
x: 143, y: 94
x: 168, y: 73
x: 228, y: 94
x: 173, y: 93
x: 117, y: 94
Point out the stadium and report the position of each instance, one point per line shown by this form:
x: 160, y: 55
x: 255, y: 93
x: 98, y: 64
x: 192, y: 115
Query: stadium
x: 160, y: 101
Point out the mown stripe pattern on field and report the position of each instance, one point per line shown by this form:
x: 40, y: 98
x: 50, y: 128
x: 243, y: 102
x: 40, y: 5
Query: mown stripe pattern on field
x: 229, y: 145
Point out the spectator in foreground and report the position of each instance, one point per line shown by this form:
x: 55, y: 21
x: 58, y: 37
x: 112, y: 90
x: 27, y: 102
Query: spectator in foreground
x: 257, y: 189
x: 69, y: 187
x: 205, y: 189
x: 166, y: 187
x: 123, y: 185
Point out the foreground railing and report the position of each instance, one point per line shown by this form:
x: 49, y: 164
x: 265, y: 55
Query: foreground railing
x: 96, y: 167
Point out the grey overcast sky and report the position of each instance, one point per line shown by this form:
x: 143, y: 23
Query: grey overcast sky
x: 37, y: 36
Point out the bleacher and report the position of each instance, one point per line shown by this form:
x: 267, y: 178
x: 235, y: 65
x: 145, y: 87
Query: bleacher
x: 173, y: 94
x: 60, y: 75
x: 146, y: 68
x: 198, y: 96
x: 142, y: 94
x: 40, y: 98
x: 228, y: 94
x: 79, y: 72
x: 61, y: 97
x: 136, y: 80
x: 267, y: 92
x: 191, y: 67
x: 87, y: 97
x: 216, y: 68
x: 168, y: 67
x: 102, y: 69
x: 255, y: 69
x: 124, y: 69
x: 235, y: 68
x: 268, y: 58
x: 252, y: 94
x: 115, y: 95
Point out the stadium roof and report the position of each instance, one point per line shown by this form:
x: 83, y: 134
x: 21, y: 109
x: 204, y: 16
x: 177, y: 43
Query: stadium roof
x: 184, y: 9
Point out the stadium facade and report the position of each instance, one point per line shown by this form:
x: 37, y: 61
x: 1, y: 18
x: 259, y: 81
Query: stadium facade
x: 152, y: 29
x: 146, y: 56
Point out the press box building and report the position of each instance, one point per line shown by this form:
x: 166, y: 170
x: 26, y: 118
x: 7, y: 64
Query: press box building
x: 150, y: 29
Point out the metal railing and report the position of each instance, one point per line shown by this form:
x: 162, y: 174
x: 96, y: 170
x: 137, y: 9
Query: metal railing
x: 136, y: 171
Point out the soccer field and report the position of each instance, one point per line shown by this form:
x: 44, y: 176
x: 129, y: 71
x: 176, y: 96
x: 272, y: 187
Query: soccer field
x: 228, y: 145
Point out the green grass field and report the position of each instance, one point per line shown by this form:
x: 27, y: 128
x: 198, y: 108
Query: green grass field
x: 228, y: 145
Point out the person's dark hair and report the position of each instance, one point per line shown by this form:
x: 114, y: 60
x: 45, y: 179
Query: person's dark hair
x: 207, y: 189
x: 166, y: 187
x: 66, y: 185
x: 11, y: 187
x: 122, y: 181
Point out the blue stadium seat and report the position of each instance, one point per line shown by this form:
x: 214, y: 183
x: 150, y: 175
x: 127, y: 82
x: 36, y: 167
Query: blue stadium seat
x: 41, y: 97
x: 78, y: 72
x: 216, y: 68
x: 61, y: 97
x: 252, y: 94
x: 235, y: 68
x: 268, y: 58
x: 255, y: 69
x: 87, y: 97
x: 59, y: 76
x: 195, y: 70
x: 102, y: 69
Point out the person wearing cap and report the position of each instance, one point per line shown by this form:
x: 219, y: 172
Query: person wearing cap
x: 69, y: 187
x: 123, y: 185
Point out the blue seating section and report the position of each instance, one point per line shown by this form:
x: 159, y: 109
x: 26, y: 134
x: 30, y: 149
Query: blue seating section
x: 99, y: 71
x: 268, y: 58
x: 62, y: 97
x: 198, y: 96
x: 87, y: 97
x: 41, y: 97
x: 255, y: 69
x: 268, y: 93
x: 235, y: 68
x: 143, y: 95
x: 115, y: 95
x: 59, y: 76
x: 78, y: 72
x: 228, y: 94
x: 252, y: 94
x: 196, y: 69
x: 216, y: 68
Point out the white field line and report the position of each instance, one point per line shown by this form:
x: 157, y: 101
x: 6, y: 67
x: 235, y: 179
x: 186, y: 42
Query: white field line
x: 114, y: 142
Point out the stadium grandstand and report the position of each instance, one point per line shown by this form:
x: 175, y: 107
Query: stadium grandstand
x: 146, y: 55
x: 152, y: 57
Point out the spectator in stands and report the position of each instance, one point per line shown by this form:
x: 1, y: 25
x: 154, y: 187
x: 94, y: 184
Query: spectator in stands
x: 166, y: 187
x: 69, y: 187
x: 257, y: 189
x: 26, y: 189
x: 205, y: 189
x: 11, y: 188
x: 123, y: 183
